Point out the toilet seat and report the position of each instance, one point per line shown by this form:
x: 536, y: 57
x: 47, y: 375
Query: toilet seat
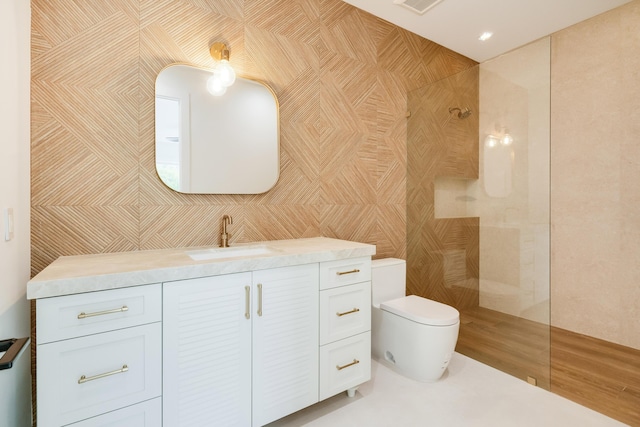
x: 422, y: 310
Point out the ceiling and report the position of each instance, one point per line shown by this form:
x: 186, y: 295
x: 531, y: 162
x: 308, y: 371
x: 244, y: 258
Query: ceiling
x: 457, y: 24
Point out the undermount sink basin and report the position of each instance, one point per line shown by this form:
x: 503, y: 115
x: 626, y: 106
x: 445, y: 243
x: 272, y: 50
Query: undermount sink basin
x: 231, y: 252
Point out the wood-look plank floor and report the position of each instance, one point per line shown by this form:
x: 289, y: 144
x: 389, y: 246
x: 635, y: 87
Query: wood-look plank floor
x: 594, y: 373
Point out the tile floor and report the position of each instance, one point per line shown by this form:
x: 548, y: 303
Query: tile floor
x: 470, y: 395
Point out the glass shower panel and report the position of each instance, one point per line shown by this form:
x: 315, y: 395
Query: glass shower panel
x: 512, y: 193
x: 511, y: 198
x: 479, y: 240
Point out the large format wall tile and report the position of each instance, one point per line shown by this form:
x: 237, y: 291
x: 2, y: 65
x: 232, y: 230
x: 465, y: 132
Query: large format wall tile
x: 595, y: 171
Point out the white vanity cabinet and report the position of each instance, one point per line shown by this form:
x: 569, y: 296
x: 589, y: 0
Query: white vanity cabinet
x: 98, y: 352
x: 345, y: 325
x: 240, y: 349
x: 242, y: 338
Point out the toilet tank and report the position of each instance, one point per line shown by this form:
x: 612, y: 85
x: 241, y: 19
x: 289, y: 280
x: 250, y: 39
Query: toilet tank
x: 388, y: 279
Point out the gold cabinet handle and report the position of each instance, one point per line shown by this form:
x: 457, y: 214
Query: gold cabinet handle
x: 83, y: 379
x: 247, y: 302
x: 259, y: 299
x: 355, y: 310
x: 340, y: 368
x: 84, y: 315
x: 342, y: 273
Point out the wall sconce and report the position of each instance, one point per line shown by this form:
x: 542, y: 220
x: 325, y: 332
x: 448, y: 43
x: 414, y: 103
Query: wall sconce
x: 223, y: 74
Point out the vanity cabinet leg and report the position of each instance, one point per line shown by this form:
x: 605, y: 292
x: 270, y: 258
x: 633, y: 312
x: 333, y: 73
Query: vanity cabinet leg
x: 352, y: 392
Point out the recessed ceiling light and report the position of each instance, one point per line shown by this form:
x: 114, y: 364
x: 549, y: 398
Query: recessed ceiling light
x: 485, y: 36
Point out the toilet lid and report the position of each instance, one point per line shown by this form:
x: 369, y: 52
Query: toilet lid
x: 422, y: 310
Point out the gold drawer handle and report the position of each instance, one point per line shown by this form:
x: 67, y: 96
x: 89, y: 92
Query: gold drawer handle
x: 122, y: 309
x: 83, y: 379
x: 355, y: 310
x: 340, y: 368
x: 342, y: 273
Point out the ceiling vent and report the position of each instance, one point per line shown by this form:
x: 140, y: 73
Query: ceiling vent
x: 418, y: 6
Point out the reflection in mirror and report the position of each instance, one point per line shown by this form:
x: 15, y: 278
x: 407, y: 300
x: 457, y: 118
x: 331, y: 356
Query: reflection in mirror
x: 215, y: 144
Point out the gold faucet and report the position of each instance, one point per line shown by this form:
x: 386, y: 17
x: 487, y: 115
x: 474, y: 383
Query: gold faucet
x: 224, y: 238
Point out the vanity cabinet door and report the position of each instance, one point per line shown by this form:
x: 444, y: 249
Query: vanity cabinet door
x: 285, y: 341
x: 207, y: 351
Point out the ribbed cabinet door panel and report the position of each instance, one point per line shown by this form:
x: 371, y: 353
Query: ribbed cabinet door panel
x: 207, y: 352
x: 285, y: 341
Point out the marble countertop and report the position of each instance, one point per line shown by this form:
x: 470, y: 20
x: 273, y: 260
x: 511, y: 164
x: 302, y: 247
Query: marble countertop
x: 87, y: 273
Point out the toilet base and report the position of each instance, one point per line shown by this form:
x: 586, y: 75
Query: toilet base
x: 416, y: 351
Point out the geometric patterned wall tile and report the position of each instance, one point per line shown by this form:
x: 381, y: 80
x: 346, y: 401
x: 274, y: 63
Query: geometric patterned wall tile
x: 391, y: 182
x: 418, y: 61
x: 340, y: 22
x: 275, y: 222
x: 183, y: 226
x: 391, y: 231
x: 299, y: 100
x: 173, y: 39
x: 443, y: 254
x: 231, y: 8
x: 391, y: 102
x: 348, y: 168
x: 349, y: 222
x: 277, y: 59
x: 402, y: 53
x: 349, y: 94
x: 83, y: 159
x: 77, y: 230
x: 64, y: 20
x: 299, y: 180
x: 341, y: 77
x: 295, y: 20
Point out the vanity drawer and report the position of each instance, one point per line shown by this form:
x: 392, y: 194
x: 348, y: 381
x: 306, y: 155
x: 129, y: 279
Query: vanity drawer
x: 344, y: 272
x: 78, y: 315
x: 345, y: 311
x: 145, y: 414
x: 345, y: 364
x: 88, y: 376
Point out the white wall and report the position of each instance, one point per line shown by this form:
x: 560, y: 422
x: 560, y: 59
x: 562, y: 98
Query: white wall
x: 14, y: 167
x: 15, y: 18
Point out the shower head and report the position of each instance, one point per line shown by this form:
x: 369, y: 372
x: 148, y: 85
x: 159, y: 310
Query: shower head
x: 462, y: 113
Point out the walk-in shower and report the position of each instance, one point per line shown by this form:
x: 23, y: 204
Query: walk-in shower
x: 489, y: 196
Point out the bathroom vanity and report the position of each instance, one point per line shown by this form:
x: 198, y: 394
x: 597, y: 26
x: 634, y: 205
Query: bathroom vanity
x: 242, y: 335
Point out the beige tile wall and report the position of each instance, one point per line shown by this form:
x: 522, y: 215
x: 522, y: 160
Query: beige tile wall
x: 341, y: 77
x: 595, y: 177
x: 512, y: 195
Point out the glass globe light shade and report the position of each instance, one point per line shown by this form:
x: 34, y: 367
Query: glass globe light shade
x: 226, y: 73
x: 215, y: 86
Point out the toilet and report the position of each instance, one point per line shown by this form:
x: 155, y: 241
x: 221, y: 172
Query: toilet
x: 414, y: 336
